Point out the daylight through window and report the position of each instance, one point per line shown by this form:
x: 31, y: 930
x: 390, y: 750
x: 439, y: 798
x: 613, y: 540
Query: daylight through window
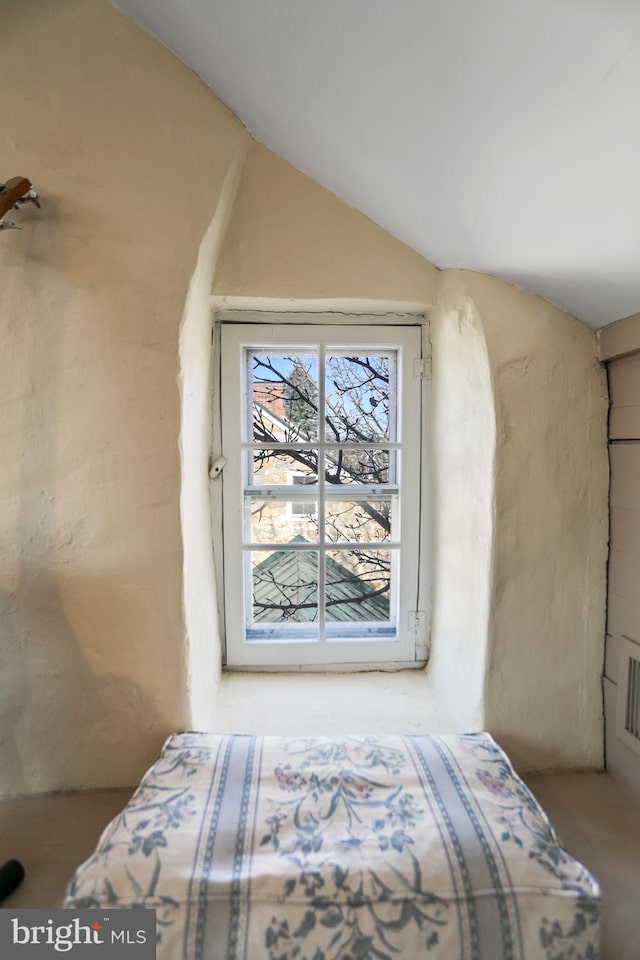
x: 321, y: 493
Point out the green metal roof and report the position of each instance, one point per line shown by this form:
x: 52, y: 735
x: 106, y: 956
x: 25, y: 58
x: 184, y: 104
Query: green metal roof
x: 286, y: 583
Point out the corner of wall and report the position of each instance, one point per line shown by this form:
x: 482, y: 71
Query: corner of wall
x: 464, y: 440
x: 200, y: 603
x: 619, y: 339
x: 292, y: 238
x: 543, y: 698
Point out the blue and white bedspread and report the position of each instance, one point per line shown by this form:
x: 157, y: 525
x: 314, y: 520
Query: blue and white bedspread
x: 350, y: 848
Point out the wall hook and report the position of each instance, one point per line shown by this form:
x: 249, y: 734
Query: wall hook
x: 14, y: 194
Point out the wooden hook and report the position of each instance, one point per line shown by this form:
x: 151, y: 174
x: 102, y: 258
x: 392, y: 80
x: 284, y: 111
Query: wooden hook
x: 12, y: 191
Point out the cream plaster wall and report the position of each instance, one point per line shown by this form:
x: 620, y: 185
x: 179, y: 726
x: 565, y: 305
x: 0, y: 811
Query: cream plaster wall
x: 129, y: 152
x: 543, y: 695
x: 289, y: 238
x: 204, y: 650
x: 463, y: 435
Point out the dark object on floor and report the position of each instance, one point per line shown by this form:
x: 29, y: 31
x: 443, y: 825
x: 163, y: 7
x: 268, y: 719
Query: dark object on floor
x: 11, y: 876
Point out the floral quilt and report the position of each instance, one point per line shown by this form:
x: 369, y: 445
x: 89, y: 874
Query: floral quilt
x: 347, y: 848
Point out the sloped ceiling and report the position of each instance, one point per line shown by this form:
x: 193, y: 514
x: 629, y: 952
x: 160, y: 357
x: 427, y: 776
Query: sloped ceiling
x: 497, y: 135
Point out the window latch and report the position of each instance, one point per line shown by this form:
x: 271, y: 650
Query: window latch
x: 216, y: 467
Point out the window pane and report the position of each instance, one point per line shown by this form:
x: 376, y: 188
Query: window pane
x: 358, y: 585
x: 284, y: 396
x: 360, y: 466
x: 274, y: 467
x: 280, y: 521
x: 322, y: 429
x: 284, y: 586
x: 358, y: 521
x: 358, y: 398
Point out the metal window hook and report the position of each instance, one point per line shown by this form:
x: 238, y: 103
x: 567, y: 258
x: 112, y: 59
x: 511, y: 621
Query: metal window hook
x: 14, y: 194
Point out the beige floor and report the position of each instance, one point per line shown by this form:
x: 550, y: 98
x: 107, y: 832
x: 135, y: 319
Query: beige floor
x: 597, y: 820
x: 50, y: 835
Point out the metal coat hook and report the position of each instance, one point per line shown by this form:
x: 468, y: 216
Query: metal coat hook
x: 14, y: 194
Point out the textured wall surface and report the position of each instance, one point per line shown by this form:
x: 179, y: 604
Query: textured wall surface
x: 543, y: 686
x: 129, y: 151
x: 291, y: 238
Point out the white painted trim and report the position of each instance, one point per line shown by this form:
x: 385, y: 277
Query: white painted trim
x: 266, y: 655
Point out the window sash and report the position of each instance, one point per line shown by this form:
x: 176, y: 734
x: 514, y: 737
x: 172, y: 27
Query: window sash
x: 280, y: 645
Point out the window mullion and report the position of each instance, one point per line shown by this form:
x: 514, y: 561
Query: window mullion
x: 298, y: 445
x: 329, y: 545
x: 321, y: 497
x: 331, y: 492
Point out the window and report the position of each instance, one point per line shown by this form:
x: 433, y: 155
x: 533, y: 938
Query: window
x: 301, y: 508
x: 321, y: 428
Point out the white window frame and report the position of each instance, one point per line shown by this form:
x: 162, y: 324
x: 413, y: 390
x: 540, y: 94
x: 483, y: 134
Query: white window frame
x: 409, y: 647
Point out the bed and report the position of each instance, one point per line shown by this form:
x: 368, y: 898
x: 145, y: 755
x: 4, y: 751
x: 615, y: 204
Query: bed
x: 347, y: 848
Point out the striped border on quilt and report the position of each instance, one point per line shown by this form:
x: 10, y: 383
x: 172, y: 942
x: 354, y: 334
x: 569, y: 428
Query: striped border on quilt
x: 218, y: 903
x: 492, y: 918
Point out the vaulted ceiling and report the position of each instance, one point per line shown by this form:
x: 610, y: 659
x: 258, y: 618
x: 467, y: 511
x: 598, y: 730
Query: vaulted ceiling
x: 497, y: 135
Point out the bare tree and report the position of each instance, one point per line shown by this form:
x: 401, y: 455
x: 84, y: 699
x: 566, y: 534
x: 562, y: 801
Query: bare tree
x: 357, y: 409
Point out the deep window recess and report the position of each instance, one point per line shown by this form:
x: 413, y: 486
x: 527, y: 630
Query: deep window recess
x: 321, y: 428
